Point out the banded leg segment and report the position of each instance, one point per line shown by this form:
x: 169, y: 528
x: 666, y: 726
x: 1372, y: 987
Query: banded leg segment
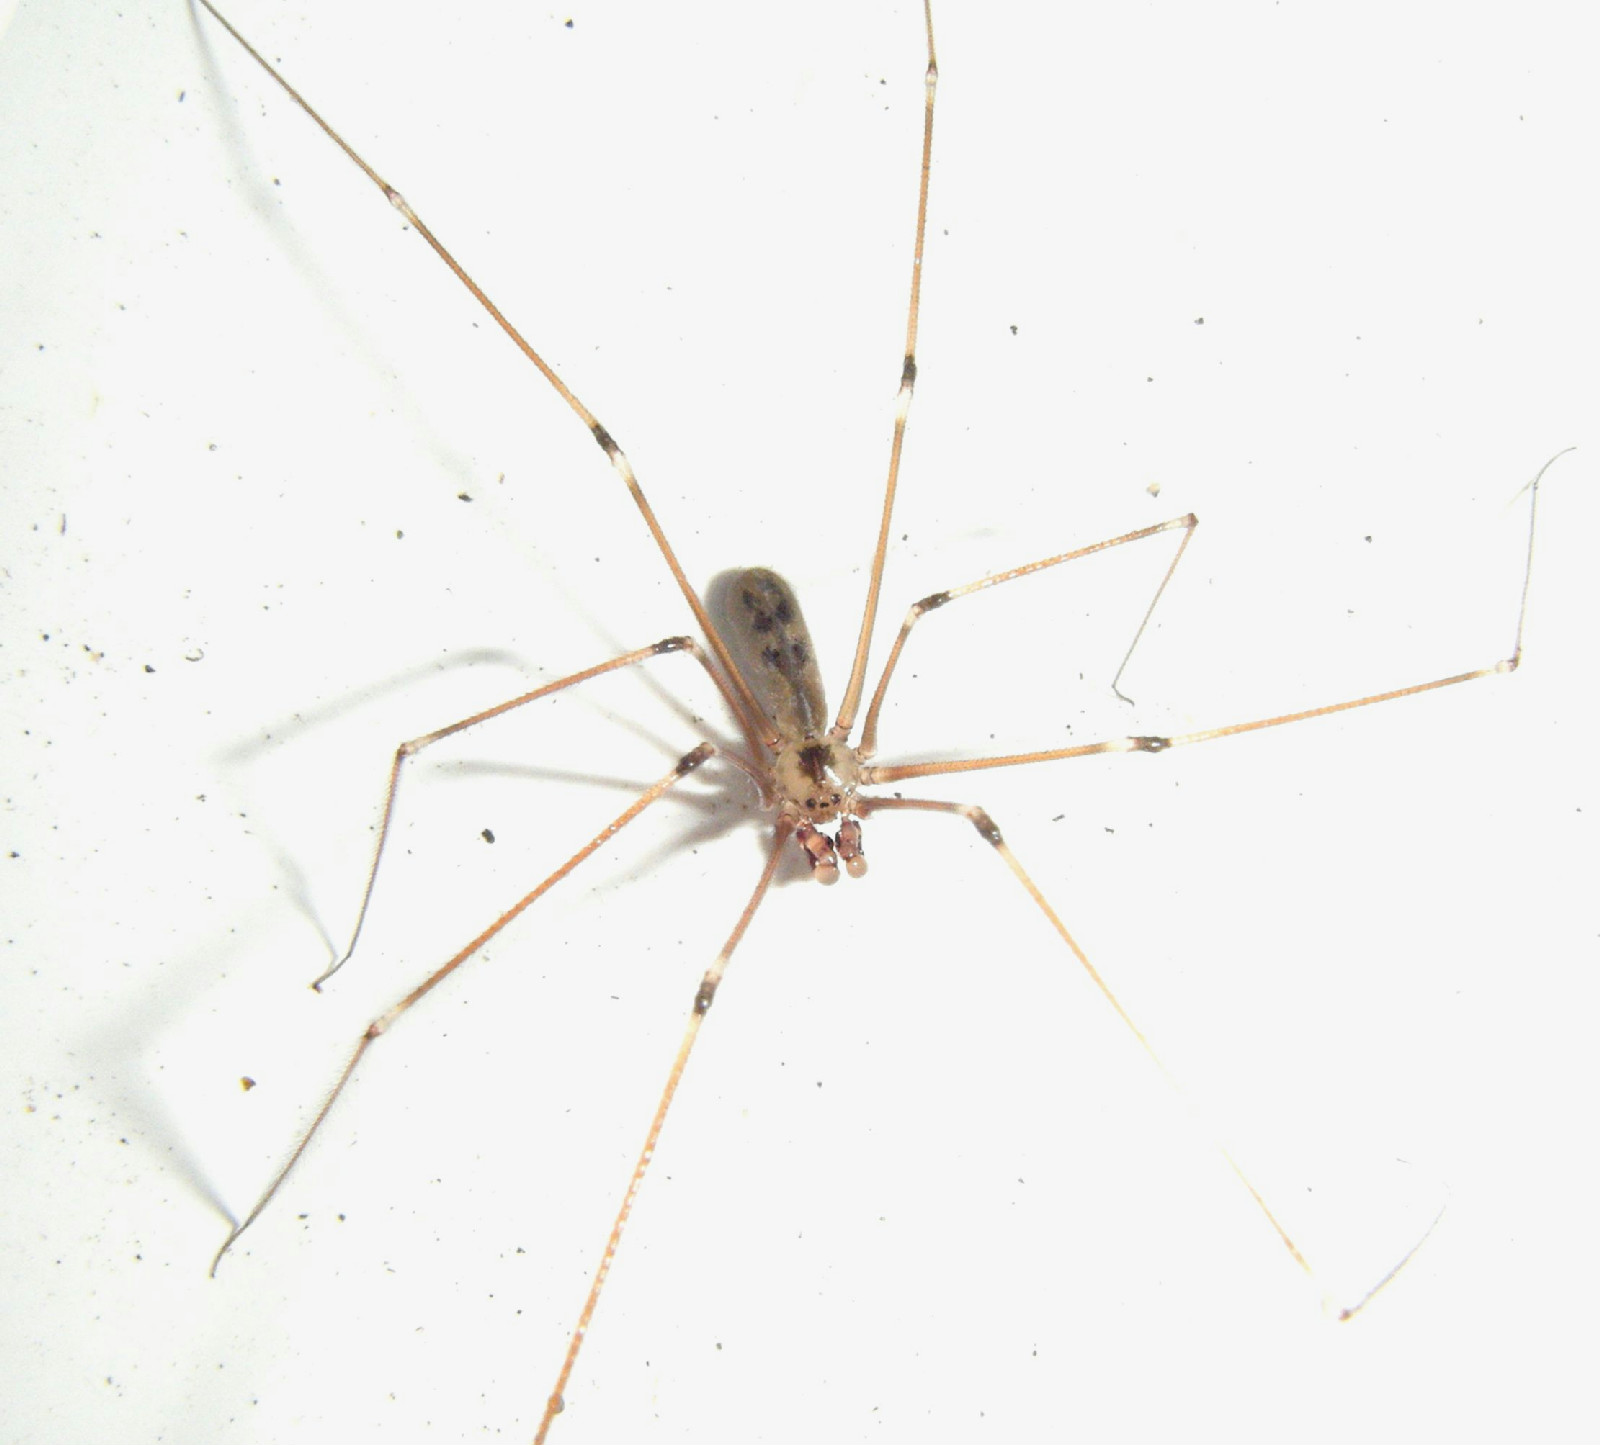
x: 875, y: 776
x: 902, y: 405
x: 872, y: 776
x: 757, y: 731
x: 381, y: 1025
x: 919, y: 610
x: 413, y: 746
x: 990, y: 833
x: 703, y: 999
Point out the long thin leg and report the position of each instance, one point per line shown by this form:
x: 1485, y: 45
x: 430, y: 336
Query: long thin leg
x: 871, y: 776
x: 992, y: 836
x: 918, y: 610
x: 759, y: 733
x: 902, y: 407
x: 875, y: 776
x: 381, y: 1025
x: 990, y: 833
x: 703, y: 998
x: 413, y: 746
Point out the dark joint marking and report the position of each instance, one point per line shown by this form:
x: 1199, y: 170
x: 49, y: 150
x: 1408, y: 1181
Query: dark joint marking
x: 1152, y: 745
x: 797, y: 650
x: 771, y: 656
x: 932, y: 600
x: 602, y: 436
x: 908, y: 373
x: 986, y: 827
x: 672, y: 644
x: 692, y: 760
x: 706, y: 992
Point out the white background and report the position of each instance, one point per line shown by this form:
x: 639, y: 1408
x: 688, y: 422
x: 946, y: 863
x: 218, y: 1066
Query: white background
x: 919, y: 1183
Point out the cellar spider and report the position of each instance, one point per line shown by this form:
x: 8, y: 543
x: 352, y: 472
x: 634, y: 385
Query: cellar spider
x: 861, y: 706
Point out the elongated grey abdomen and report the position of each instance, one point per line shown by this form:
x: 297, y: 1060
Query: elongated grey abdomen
x: 760, y: 620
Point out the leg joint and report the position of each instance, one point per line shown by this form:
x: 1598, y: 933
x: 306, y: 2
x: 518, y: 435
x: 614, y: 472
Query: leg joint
x: 987, y: 830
